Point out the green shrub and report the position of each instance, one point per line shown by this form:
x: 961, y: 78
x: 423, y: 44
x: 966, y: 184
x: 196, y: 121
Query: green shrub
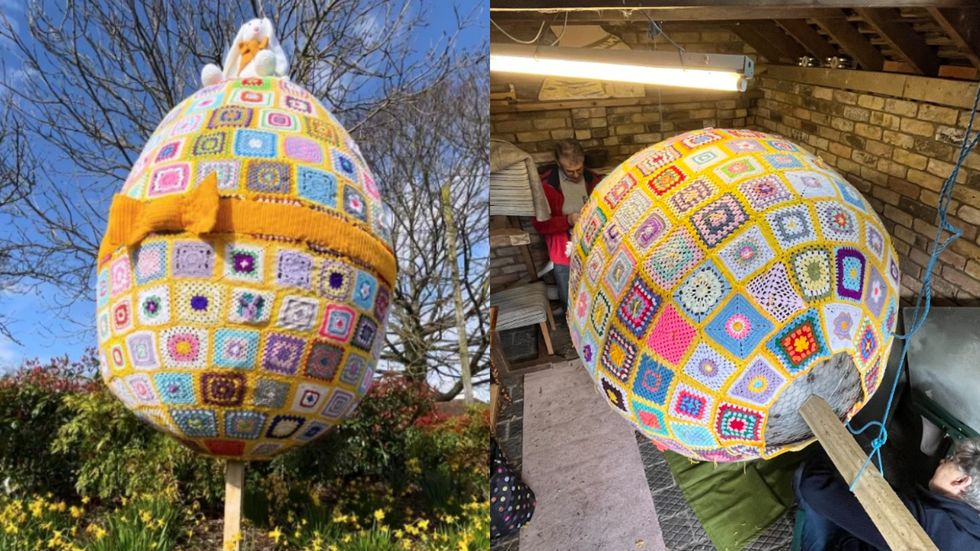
x: 31, y: 411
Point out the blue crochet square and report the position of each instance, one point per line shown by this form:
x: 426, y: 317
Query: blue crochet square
x: 365, y: 287
x: 237, y: 348
x: 244, y: 424
x: 317, y: 186
x: 195, y: 423
x: 175, y: 388
x: 739, y: 327
x: 252, y: 143
x: 652, y: 381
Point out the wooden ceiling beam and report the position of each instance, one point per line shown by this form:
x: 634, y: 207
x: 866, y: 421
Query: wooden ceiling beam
x: 572, y: 5
x: 902, y: 38
x: 765, y: 48
x: 852, y: 42
x: 809, y: 38
x: 962, y: 26
x: 721, y: 13
x: 771, y: 33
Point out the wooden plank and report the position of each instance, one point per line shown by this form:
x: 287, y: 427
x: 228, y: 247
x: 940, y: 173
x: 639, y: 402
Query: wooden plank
x: 509, y: 237
x: 699, y: 14
x: 962, y: 26
x: 576, y: 5
x: 910, y: 87
x: 667, y: 97
x: 809, y: 38
x: 494, y: 405
x: 956, y: 71
x: 852, y: 42
x: 902, y: 38
x: 899, y: 67
x: 765, y: 48
x: 772, y: 34
x: 234, y: 491
x: 893, y: 520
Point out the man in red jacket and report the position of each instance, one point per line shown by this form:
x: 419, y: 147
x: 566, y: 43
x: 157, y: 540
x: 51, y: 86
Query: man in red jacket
x: 567, y: 185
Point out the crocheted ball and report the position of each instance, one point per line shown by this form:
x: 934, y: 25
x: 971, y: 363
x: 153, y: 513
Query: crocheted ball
x: 721, y: 277
x: 245, y: 277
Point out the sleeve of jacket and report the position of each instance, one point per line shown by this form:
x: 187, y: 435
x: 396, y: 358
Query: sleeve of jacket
x: 826, y: 492
x: 558, y: 223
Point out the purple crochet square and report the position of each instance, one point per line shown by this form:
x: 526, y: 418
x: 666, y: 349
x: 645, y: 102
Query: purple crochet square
x: 293, y: 269
x: 282, y: 353
x: 193, y: 259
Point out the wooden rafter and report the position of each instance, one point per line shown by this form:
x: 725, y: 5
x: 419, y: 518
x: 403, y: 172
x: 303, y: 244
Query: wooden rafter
x: 852, y: 42
x: 719, y: 13
x: 767, y: 49
x: 809, y: 38
x: 963, y: 28
x: 902, y: 38
x: 772, y: 33
x: 562, y: 5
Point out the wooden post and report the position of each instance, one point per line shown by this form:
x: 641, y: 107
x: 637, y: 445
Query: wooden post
x: 234, y: 489
x: 464, y: 354
x: 894, y: 521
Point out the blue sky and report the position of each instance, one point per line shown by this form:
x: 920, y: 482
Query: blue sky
x: 33, y: 317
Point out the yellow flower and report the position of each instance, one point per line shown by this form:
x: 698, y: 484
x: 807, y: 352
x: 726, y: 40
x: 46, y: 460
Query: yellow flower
x: 398, y: 534
x: 145, y: 516
x: 275, y: 534
x: 424, y: 524
x: 85, y: 500
x: 379, y: 515
x: 76, y: 512
x: 346, y: 538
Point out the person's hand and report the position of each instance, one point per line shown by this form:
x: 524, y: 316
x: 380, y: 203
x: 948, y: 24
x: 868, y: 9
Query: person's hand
x: 572, y: 218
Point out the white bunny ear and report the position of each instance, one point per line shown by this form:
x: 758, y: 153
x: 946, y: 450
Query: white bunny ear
x: 232, y: 58
x: 282, y: 62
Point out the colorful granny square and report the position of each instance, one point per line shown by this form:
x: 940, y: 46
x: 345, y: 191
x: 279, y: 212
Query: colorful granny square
x: 850, y: 273
x: 338, y: 322
x: 735, y: 422
x: 309, y: 397
x: 268, y: 177
x: 244, y: 262
x: 638, y: 307
x: 364, y: 333
x: 812, y: 270
x: 209, y: 144
x: 244, y: 424
x: 294, y: 269
x: 719, y: 219
x: 651, y: 160
x: 618, y: 355
x: 237, y: 348
x: 613, y: 394
x: 764, y: 192
x: 271, y: 119
x: 666, y: 180
x: 199, y: 302
x: 693, y: 436
x: 283, y: 353
x: 837, y: 222
x: 192, y: 259
x: 708, y: 367
x: 811, y: 184
x: 876, y: 292
x: 671, y: 336
x: 223, y: 388
x: 343, y: 164
x: 773, y: 291
x: 254, y: 143
x: 230, y: 117
x: 365, y: 288
x: 841, y: 321
x: 142, y: 349
x: 791, y: 226
x: 195, y: 423
x: 691, y: 195
x: 153, y: 306
x: 705, y: 157
x: 338, y: 404
x: 690, y: 404
x: 619, y: 273
x: 650, y: 231
x: 739, y: 327
x: 757, y: 383
x: 298, y: 313
x: 317, y: 186
x: 270, y: 393
x: 651, y: 420
x: 184, y: 347
x: 151, y: 262
x: 599, y: 316
x: 303, y: 149
x: 250, y: 306
x: 703, y: 290
x: 336, y: 280
x: 169, y: 179
x: 284, y: 426
x: 674, y: 259
x: 175, y: 388
x: 323, y: 361
x: 747, y: 253
x: 801, y: 342
x: 226, y: 172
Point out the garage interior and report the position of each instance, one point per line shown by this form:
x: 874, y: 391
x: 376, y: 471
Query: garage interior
x: 881, y: 91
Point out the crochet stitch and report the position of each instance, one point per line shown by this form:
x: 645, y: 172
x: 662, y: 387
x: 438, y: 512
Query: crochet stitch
x: 716, y: 270
x: 245, y: 274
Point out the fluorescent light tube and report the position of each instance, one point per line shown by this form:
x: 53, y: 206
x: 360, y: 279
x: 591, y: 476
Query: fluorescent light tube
x: 706, y: 71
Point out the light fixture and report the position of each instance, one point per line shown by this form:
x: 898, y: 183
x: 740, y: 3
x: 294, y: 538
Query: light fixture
x: 688, y: 70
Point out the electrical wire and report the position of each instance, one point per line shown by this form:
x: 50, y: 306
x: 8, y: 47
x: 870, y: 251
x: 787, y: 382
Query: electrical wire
x: 563, y: 27
x: 518, y: 40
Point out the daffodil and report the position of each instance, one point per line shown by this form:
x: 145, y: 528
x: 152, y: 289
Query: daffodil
x: 275, y: 534
x: 379, y: 515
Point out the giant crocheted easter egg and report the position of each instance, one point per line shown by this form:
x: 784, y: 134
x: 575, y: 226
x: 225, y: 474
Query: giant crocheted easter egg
x: 246, y: 272
x: 721, y: 277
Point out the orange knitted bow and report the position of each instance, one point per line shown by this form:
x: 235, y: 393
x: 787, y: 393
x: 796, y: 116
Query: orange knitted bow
x: 249, y: 49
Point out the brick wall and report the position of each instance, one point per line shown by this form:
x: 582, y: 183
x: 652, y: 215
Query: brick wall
x: 895, y: 140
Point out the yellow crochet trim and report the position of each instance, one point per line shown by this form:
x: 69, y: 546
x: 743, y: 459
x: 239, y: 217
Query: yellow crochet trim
x: 203, y: 211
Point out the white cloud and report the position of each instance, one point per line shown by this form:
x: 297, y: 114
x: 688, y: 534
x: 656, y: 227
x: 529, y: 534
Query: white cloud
x: 10, y: 355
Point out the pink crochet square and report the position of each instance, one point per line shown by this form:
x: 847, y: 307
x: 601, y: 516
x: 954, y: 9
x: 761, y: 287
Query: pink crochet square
x: 671, y: 336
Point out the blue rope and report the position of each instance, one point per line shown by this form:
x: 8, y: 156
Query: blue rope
x: 923, y: 301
